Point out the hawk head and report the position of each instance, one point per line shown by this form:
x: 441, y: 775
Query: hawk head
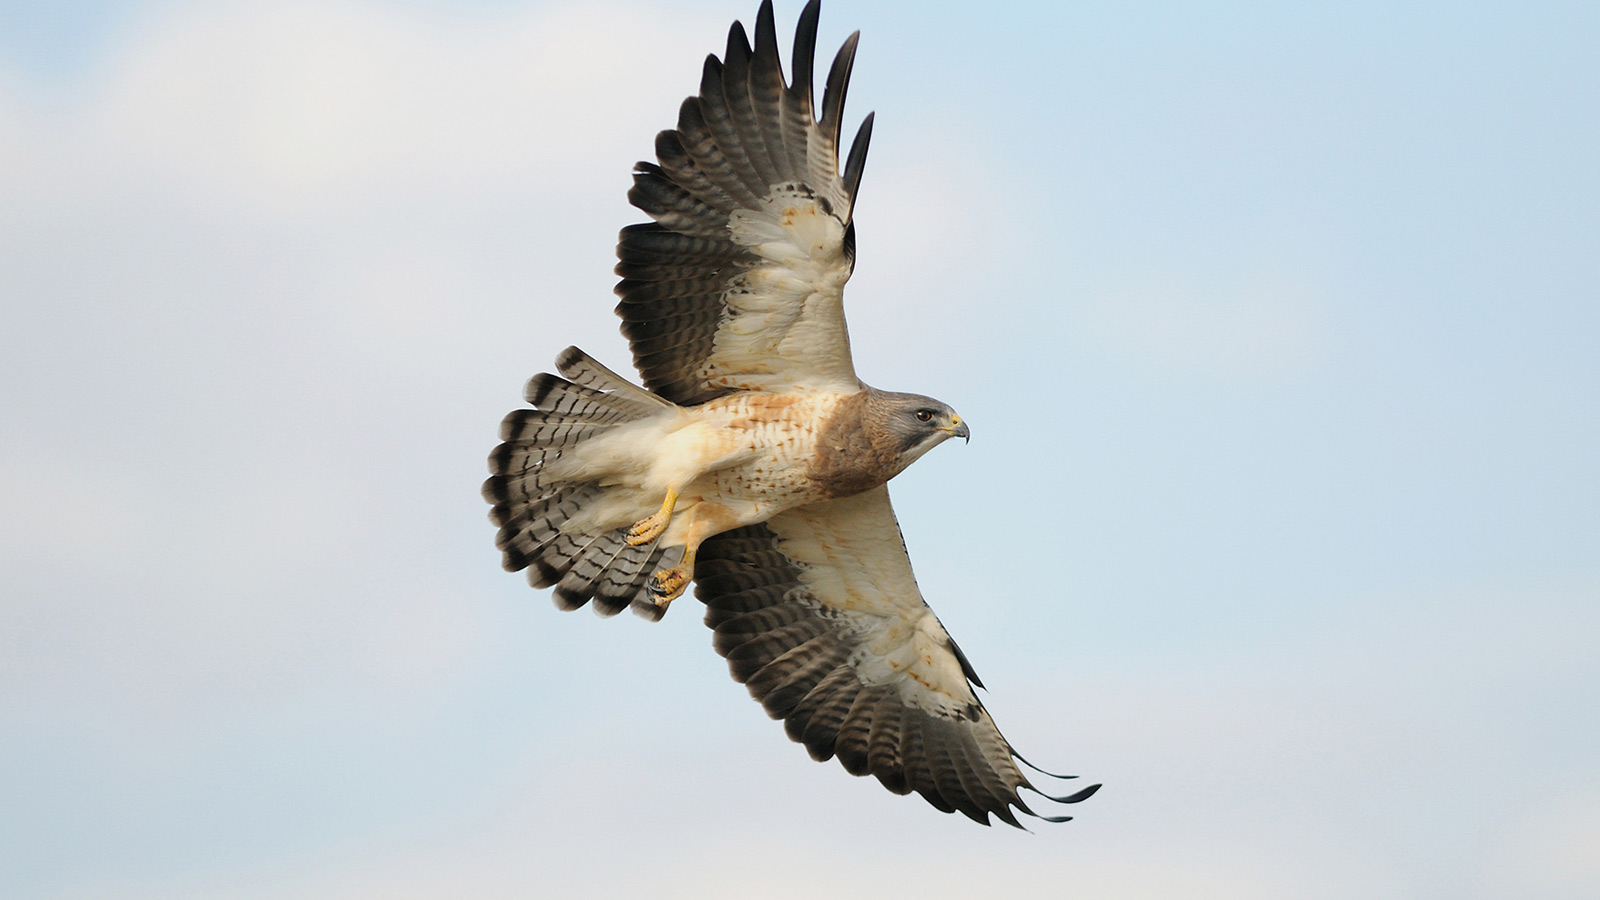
x: 913, y: 424
x: 874, y: 435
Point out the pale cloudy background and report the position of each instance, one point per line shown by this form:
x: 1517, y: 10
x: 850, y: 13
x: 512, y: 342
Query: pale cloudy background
x: 1279, y: 333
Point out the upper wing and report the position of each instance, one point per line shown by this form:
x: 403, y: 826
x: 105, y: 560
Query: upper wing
x: 738, y: 284
x: 817, y: 612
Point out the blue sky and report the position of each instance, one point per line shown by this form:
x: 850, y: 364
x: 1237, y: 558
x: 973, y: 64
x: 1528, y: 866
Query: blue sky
x: 1276, y: 329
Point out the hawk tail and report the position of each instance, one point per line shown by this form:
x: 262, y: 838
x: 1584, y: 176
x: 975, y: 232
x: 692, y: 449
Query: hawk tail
x: 535, y: 509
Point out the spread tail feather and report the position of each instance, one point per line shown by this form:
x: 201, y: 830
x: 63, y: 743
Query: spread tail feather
x: 535, y: 507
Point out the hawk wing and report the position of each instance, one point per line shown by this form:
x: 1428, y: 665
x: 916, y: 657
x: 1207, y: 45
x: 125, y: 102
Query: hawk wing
x: 818, y: 614
x: 738, y: 283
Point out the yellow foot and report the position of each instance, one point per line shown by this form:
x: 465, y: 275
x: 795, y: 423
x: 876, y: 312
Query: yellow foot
x: 649, y: 528
x: 666, y: 585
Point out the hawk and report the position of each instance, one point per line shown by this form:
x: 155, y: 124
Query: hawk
x: 753, y: 462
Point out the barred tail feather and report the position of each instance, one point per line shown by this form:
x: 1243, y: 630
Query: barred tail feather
x: 534, y: 508
x: 582, y: 369
x: 586, y: 566
x: 622, y: 583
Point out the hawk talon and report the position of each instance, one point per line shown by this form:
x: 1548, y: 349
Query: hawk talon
x: 666, y: 585
x: 650, y: 527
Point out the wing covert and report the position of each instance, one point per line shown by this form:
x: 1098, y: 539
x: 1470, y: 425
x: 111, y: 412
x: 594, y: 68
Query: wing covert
x: 818, y: 614
x: 738, y: 282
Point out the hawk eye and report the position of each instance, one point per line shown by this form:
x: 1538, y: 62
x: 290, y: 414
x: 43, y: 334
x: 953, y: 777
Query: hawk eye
x: 924, y: 415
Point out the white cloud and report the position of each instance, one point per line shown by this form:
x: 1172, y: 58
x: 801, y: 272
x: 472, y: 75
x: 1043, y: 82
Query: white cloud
x: 247, y: 270
x: 308, y: 103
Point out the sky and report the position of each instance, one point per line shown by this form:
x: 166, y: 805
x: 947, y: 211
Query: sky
x: 1276, y: 329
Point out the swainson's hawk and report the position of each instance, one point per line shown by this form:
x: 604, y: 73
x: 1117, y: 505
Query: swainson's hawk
x: 753, y: 462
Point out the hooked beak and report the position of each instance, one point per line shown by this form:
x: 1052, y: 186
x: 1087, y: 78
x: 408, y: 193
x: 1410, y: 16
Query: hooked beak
x: 957, y: 428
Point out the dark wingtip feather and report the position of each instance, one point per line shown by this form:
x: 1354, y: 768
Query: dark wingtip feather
x: 858, y: 158
x: 893, y: 781
x: 838, y: 82
x: 1021, y: 759
x: 966, y: 665
x: 805, y: 53
x: 1078, y: 797
x: 738, y: 52
x: 710, y: 77
x: 767, y: 35
x: 669, y: 145
x: 1005, y: 815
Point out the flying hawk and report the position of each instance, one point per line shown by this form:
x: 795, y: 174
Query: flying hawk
x: 754, y: 462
